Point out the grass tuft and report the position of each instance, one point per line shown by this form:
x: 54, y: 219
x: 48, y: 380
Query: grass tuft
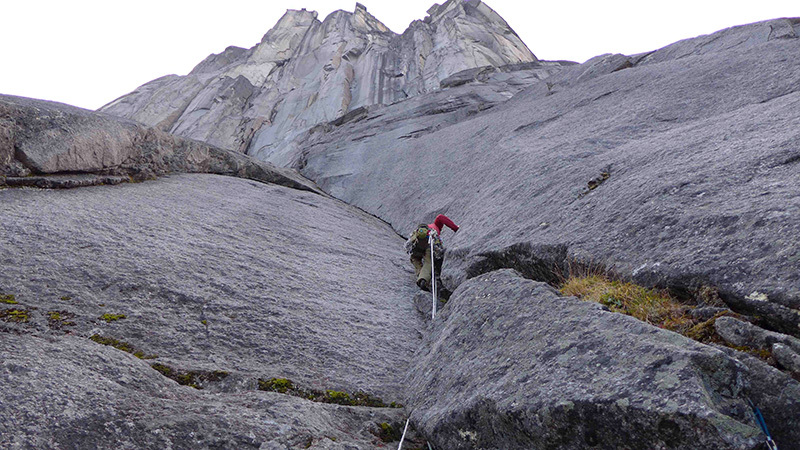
x: 649, y: 305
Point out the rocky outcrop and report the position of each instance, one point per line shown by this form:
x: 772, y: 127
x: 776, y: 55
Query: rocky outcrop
x: 512, y: 365
x: 676, y: 168
x: 306, y: 72
x: 221, y: 280
x: 744, y: 334
x: 44, y: 138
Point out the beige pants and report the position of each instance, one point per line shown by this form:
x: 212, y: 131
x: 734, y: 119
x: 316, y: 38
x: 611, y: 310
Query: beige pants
x: 422, y: 267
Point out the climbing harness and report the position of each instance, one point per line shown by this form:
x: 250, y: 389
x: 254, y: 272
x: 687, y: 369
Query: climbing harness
x: 433, y: 276
x: 771, y: 445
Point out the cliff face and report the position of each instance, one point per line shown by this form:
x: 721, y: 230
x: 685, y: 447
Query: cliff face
x: 305, y: 72
x: 675, y: 167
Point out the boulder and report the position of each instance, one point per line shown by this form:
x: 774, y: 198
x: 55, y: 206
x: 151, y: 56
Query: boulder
x: 787, y: 357
x: 743, y: 334
x: 40, y: 137
x: 776, y: 394
x: 512, y: 365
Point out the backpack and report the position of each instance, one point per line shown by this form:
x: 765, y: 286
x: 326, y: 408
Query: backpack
x: 419, y: 240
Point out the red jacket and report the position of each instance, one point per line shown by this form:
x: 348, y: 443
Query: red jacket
x: 440, y: 220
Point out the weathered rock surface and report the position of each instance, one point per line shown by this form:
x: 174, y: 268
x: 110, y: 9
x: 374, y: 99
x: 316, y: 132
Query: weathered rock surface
x: 40, y: 137
x: 676, y: 168
x: 305, y: 72
x: 211, y: 274
x: 72, y: 393
x: 512, y: 365
x: 786, y: 357
x: 744, y: 334
x: 776, y: 394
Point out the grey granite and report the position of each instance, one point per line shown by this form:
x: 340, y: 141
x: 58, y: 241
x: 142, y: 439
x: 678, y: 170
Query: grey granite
x: 512, y: 365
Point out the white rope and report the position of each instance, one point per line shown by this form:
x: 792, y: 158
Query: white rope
x: 399, y: 447
x: 433, y: 277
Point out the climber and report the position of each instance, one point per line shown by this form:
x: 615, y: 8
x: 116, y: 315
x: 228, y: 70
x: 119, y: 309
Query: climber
x: 419, y: 248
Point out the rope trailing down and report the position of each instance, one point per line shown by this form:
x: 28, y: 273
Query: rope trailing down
x: 433, y: 276
x: 400, y: 447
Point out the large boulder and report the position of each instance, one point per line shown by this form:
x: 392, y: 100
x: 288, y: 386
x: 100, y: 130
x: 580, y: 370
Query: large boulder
x: 41, y: 137
x: 512, y: 365
x: 219, y: 282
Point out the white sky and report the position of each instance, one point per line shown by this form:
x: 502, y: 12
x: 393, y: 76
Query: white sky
x: 89, y: 52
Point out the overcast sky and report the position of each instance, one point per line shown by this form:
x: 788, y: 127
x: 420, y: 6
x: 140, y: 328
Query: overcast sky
x: 89, y: 52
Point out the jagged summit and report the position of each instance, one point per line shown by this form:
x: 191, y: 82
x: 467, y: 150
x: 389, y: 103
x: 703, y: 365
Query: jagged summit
x: 306, y: 71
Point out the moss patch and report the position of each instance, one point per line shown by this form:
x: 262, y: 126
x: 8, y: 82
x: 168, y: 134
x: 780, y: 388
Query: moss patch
x: 286, y: 386
x: 280, y: 385
x: 191, y: 378
x: 15, y: 315
x: 388, y: 433
x: 8, y: 299
x: 112, y: 317
x: 119, y: 345
x: 60, y: 319
x: 66, y: 298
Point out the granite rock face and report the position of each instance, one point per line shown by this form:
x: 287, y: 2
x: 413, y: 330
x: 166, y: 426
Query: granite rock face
x: 44, y: 138
x: 512, y: 365
x: 305, y: 72
x: 676, y: 168
x: 202, y: 274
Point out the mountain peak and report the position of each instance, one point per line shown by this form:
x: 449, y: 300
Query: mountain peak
x: 305, y: 72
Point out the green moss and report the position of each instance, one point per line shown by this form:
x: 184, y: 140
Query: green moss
x: 66, y: 298
x: 60, y: 319
x: 388, y: 433
x: 112, y: 317
x: 280, y: 385
x: 359, y: 398
x: 8, y: 299
x: 190, y: 378
x: 162, y: 369
x: 204, y: 322
x: 339, y: 398
x: 15, y: 315
x: 119, y: 345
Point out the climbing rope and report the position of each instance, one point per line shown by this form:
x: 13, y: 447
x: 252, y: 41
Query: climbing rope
x: 399, y: 447
x: 433, y: 316
x: 771, y: 445
x: 433, y: 276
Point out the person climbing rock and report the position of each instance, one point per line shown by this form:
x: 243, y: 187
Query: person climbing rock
x: 419, y: 248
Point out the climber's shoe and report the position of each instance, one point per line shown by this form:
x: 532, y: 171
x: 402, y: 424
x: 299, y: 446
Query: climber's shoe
x: 423, y: 284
